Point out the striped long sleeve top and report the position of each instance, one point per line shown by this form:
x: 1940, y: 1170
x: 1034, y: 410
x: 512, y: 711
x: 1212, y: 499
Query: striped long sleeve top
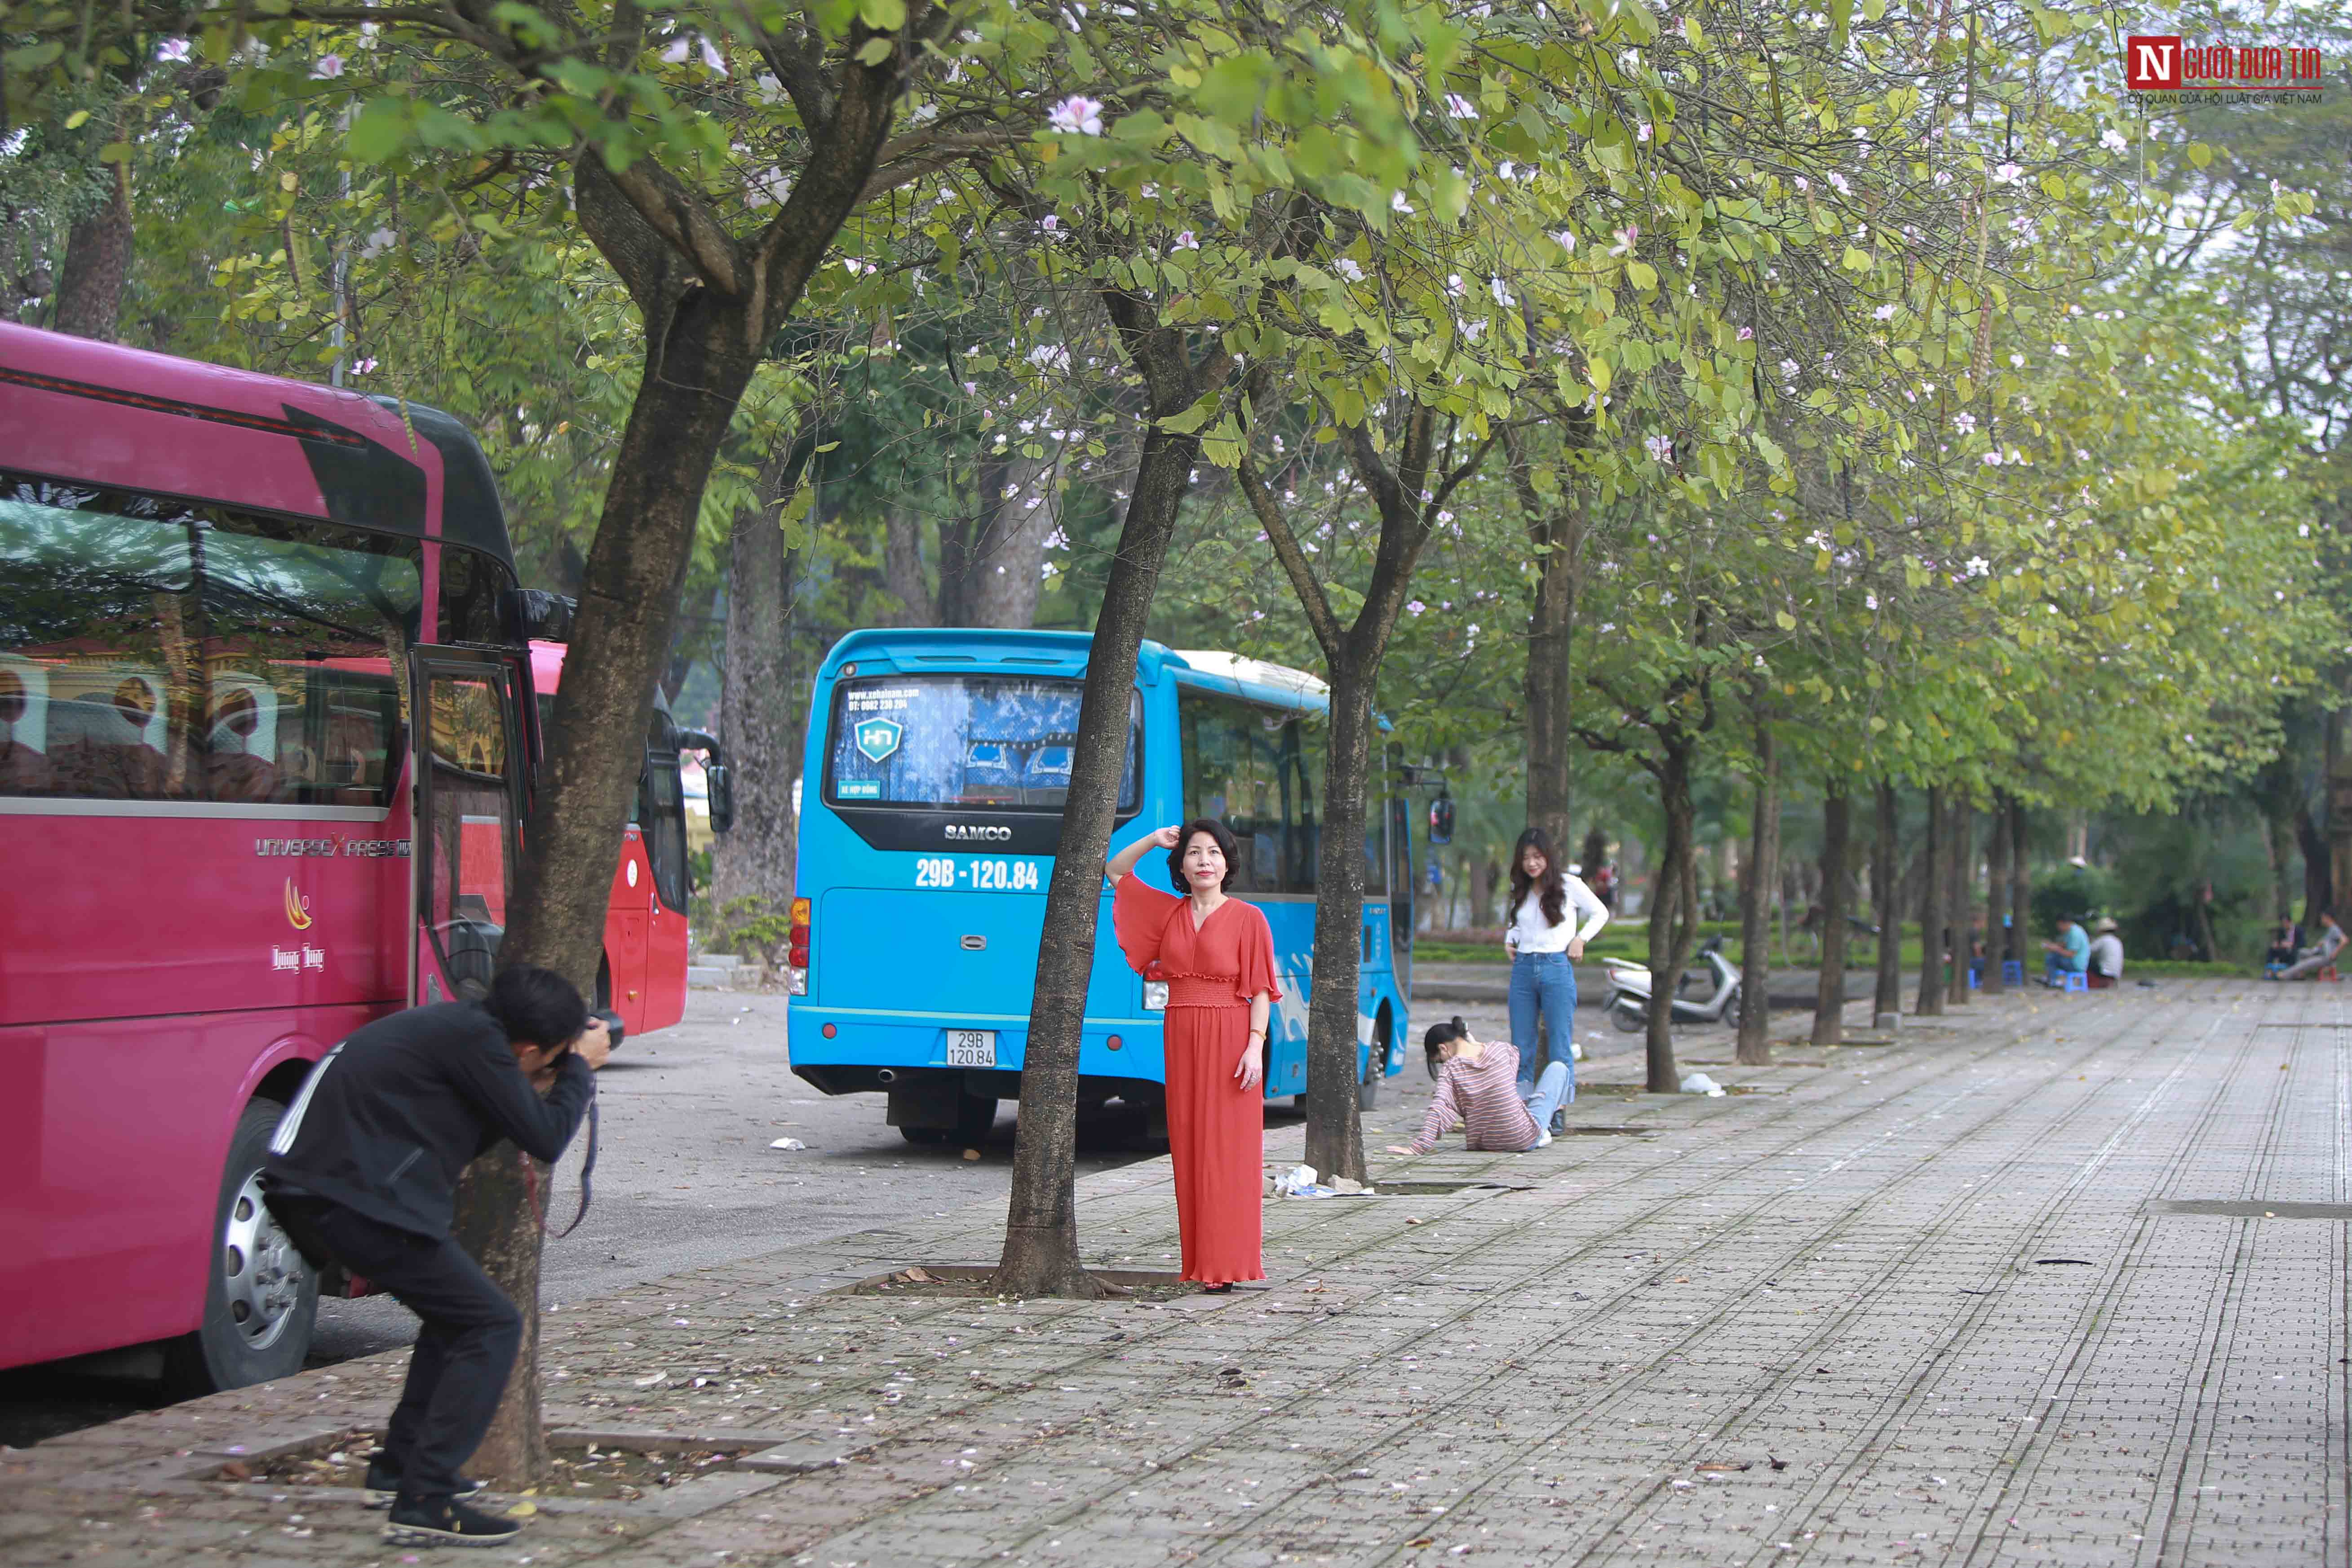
x: 1483, y: 1096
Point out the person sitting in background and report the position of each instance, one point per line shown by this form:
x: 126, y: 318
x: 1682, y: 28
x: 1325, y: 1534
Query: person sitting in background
x: 2316, y: 958
x: 2106, y: 955
x: 1477, y: 1090
x: 2287, y: 944
x: 2068, y: 954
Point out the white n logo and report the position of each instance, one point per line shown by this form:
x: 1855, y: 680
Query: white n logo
x: 2155, y: 62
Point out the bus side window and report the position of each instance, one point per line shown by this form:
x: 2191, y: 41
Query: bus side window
x: 1253, y: 769
x: 303, y: 622
x: 97, y: 674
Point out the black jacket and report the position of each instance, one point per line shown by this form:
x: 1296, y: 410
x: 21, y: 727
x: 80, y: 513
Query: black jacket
x: 388, y: 1121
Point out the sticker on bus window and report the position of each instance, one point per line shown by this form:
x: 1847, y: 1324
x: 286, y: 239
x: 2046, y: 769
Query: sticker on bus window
x: 859, y: 789
x: 878, y: 738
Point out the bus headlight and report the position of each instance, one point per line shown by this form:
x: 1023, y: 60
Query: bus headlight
x: 1155, y: 995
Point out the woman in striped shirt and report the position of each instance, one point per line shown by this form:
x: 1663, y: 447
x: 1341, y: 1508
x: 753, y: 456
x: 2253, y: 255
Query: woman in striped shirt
x: 1477, y: 1090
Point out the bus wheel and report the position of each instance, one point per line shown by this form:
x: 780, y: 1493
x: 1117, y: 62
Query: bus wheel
x: 1376, y: 1065
x: 261, y: 1297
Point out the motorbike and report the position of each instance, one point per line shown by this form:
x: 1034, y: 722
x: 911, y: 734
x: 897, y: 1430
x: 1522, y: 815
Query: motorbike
x: 1628, y: 1002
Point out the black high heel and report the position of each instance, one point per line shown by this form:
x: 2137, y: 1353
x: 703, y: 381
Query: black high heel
x: 1222, y: 1289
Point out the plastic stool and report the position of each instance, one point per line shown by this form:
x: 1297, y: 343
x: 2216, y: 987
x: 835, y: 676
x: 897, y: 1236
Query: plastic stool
x: 1976, y: 976
x: 2073, y: 980
x: 2013, y: 970
x: 2327, y: 974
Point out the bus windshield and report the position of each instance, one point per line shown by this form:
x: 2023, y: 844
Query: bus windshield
x: 931, y: 741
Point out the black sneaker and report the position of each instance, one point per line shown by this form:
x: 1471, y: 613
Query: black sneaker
x: 446, y: 1522
x: 383, y: 1483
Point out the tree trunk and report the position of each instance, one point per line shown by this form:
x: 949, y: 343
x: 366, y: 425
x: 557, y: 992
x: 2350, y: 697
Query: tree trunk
x: 97, y: 265
x: 1008, y: 565
x: 1674, y: 913
x: 1547, y: 681
x: 571, y: 841
x: 1828, y: 993
x: 1335, y: 1131
x: 1041, y: 1229
x: 1959, y: 903
x: 1930, y: 1003
x: 1997, y: 898
x: 702, y: 346
x: 2318, y: 872
x: 757, y: 715
x: 1885, y: 907
x: 500, y: 1201
x: 2339, y: 807
x: 902, y: 566
x: 1763, y: 870
x: 2021, y: 884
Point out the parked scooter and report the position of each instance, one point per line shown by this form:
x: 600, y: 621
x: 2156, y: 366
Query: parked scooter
x: 1628, y: 1002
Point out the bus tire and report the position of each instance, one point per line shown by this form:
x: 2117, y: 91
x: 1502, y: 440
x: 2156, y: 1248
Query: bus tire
x: 261, y: 1300
x: 926, y: 1137
x: 1368, y: 1093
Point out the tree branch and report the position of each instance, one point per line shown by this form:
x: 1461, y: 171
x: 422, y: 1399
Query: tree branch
x: 1311, y: 598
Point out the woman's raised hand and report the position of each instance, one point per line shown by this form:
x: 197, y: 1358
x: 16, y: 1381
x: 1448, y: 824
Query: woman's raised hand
x: 1165, y: 838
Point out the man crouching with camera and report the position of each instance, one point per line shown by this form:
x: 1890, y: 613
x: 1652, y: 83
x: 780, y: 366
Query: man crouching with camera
x: 363, y: 1170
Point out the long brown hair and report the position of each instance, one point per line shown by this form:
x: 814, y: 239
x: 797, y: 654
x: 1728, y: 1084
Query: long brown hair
x: 1552, y: 893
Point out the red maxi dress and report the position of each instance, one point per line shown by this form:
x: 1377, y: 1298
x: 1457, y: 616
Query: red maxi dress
x: 1216, y: 1128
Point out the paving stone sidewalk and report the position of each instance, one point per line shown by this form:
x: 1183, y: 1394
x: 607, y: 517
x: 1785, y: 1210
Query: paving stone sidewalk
x: 1933, y: 1302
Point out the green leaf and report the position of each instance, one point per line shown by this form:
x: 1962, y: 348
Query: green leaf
x: 378, y: 131
x: 78, y: 119
x: 883, y: 15
x: 115, y: 152
x: 1784, y: 620
x: 1642, y: 275
x: 1192, y: 418
x: 2199, y: 153
x: 874, y: 51
x: 1841, y: 20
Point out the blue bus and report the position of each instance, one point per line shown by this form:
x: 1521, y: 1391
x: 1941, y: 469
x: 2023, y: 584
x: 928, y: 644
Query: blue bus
x: 936, y: 765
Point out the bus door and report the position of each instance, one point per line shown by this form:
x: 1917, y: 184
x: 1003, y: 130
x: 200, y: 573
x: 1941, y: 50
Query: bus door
x: 1400, y: 895
x: 469, y: 769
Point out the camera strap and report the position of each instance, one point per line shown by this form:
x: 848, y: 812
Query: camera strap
x: 587, y: 1175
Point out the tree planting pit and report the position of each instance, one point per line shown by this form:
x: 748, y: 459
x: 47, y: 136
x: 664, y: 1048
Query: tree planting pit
x: 974, y: 1279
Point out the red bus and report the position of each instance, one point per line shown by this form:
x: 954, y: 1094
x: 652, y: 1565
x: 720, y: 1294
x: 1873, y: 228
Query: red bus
x: 644, y: 974
x: 267, y: 702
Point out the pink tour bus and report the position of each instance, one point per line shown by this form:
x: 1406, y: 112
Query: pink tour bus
x: 265, y: 716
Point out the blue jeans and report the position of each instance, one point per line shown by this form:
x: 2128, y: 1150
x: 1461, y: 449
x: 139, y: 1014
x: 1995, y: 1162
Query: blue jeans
x: 2053, y: 967
x: 1546, y: 981
x: 1555, y: 1089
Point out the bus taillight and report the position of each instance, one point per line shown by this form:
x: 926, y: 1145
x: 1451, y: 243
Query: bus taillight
x: 796, y: 961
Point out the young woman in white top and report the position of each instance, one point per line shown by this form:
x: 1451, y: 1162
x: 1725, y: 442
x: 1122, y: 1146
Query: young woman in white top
x: 1545, y: 942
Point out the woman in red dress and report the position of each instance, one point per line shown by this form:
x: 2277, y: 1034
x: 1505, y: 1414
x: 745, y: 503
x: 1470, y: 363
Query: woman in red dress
x: 1217, y: 957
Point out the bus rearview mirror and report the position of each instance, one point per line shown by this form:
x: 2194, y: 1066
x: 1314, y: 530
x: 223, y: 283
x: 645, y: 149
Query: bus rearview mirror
x: 722, y: 783
x: 1441, y: 820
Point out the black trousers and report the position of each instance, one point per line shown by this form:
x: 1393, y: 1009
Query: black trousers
x: 464, y: 1350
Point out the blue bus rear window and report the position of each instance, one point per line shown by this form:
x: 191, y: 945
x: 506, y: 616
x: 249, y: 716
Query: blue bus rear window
x: 1000, y: 741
